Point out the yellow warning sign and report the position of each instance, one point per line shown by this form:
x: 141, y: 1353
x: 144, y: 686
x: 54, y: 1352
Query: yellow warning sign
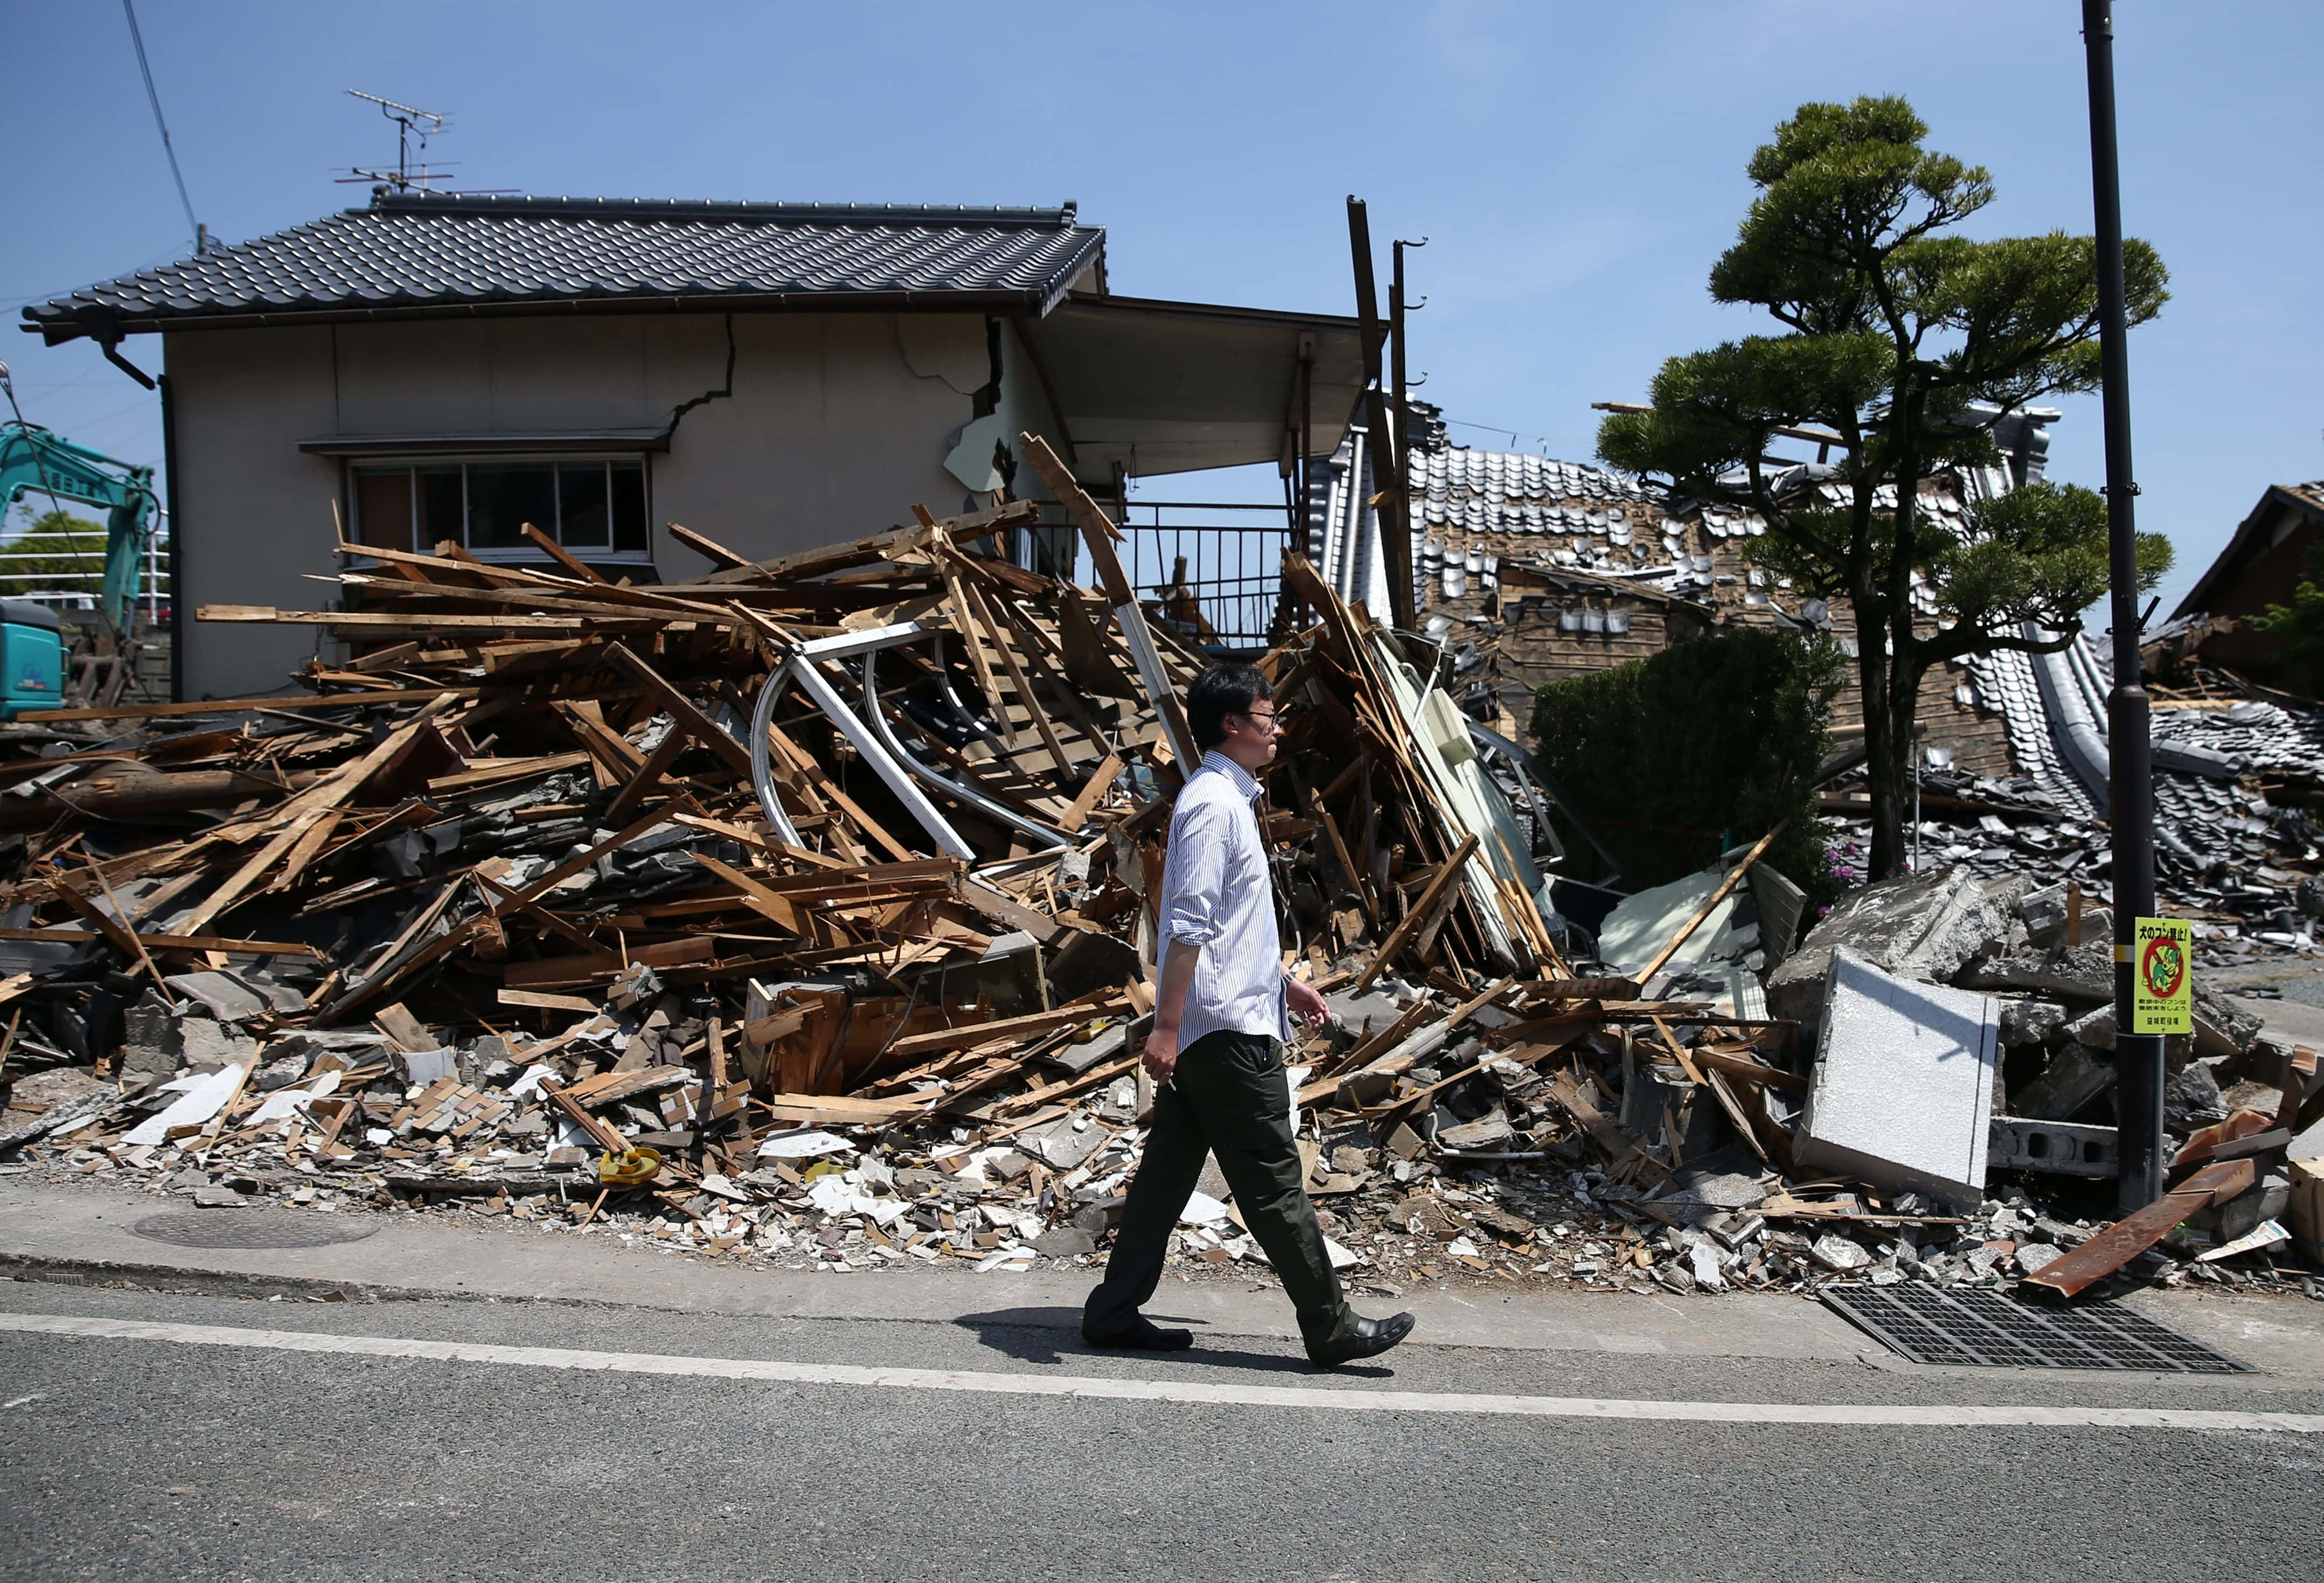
x: 2162, y: 976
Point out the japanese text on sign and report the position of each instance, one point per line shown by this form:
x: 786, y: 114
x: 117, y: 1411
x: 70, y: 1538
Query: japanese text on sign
x: 2162, y: 976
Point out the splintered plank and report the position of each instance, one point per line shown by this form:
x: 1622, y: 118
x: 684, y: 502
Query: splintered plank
x: 1428, y: 910
x: 268, y: 615
x: 808, y: 563
x: 702, y: 544
x: 1083, y: 1010
x: 690, y: 719
x: 298, y: 815
x: 234, y: 706
x: 1091, y: 793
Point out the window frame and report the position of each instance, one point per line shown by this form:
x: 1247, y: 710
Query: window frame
x: 527, y: 553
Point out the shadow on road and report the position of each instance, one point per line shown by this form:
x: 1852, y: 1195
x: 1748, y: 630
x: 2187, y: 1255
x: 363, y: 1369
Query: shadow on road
x: 1053, y: 1335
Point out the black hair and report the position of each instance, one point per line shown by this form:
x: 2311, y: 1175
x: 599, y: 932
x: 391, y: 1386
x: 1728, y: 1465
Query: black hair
x: 1218, y: 692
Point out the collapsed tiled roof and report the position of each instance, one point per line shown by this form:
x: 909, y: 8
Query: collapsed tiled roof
x: 418, y: 252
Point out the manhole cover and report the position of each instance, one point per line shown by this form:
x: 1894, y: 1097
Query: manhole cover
x: 1930, y: 1324
x: 250, y: 1229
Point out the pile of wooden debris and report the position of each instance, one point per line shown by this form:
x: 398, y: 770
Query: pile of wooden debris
x: 801, y: 913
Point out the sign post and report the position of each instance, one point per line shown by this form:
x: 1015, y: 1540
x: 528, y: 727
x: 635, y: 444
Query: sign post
x: 2162, y: 976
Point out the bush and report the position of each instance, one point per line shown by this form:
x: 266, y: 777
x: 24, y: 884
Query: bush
x: 1675, y: 757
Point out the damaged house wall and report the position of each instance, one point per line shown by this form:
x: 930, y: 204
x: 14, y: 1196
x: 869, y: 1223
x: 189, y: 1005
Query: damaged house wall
x: 834, y: 419
x: 791, y: 371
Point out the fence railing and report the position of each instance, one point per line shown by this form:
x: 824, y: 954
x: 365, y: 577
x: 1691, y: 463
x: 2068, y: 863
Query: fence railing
x: 66, y: 572
x: 1232, y: 565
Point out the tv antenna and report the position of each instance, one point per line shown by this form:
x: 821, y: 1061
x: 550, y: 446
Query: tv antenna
x: 410, y: 125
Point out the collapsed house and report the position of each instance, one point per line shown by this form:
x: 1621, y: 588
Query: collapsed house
x: 1531, y: 570
x: 797, y: 911
x: 2270, y: 553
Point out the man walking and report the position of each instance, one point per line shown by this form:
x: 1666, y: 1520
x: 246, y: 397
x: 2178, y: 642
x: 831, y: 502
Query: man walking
x: 1216, y: 1052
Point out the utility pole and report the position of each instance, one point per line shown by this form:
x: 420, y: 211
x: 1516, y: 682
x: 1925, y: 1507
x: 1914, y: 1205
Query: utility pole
x: 1397, y: 307
x: 1387, y: 460
x: 2137, y: 1056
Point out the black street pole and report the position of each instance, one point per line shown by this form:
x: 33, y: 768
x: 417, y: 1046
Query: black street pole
x: 2137, y: 1056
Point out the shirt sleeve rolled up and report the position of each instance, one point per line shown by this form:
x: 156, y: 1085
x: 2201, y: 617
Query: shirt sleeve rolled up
x: 1193, y: 877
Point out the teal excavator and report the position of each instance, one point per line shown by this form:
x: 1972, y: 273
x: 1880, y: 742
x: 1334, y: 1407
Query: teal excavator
x: 34, y: 461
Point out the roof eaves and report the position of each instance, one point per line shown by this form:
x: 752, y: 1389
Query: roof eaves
x: 64, y: 327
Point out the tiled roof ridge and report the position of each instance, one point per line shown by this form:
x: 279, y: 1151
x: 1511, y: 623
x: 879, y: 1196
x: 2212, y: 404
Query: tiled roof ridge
x: 534, y: 206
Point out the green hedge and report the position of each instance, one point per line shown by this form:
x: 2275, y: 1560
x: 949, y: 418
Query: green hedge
x: 1704, y: 746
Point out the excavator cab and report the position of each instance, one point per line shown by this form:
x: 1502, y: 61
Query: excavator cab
x: 32, y: 658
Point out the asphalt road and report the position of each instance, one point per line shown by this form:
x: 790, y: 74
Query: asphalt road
x: 137, y: 1458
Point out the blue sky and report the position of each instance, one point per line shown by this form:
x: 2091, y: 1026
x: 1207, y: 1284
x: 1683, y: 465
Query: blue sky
x: 1575, y: 168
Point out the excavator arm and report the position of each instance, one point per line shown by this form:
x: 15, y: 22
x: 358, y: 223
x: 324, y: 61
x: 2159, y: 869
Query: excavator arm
x: 33, y: 462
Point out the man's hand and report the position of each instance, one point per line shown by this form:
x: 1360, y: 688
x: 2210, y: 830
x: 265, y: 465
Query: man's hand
x: 1161, y: 1054
x: 1305, y: 1003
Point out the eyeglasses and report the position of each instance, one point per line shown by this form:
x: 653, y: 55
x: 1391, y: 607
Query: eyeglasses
x: 1265, y: 722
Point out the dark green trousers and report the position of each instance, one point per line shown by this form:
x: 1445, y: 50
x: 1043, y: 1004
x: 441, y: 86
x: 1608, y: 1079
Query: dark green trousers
x: 1227, y: 1097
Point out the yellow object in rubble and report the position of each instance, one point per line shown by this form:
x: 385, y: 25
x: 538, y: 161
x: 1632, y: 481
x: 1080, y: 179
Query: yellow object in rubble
x: 628, y: 1168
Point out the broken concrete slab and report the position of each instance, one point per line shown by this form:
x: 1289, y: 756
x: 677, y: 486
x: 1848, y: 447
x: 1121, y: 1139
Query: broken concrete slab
x: 1918, y: 926
x: 1837, y: 1253
x: 2268, y: 1200
x: 424, y: 1066
x: 2043, y: 913
x: 2020, y: 1143
x: 1728, y: 1190
x: 56, y: 1086
x: 1489, y: 1131
x: 2192, y: 1098
x: 206, y: 1046
x: 1902, y: 1093
x: 2032, y: 1021
x: 2307, y: 1146
x: 1060, y: 1146
x: 2084, y: 977
x: 2074, y: 1077
x: 229, y: 1000
x: 150, y: 1050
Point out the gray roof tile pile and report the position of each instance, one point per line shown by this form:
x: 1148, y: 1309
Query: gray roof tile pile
x: 2222, y: 847
x: 1566, y: 513
x: 418, y: 251
x: 2004, y: 681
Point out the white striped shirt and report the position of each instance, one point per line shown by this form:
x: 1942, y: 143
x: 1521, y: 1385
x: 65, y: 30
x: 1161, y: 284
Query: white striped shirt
x: 1217, y: 893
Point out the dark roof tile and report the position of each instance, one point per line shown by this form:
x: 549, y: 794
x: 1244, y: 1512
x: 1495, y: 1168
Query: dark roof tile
x: 417, y: 252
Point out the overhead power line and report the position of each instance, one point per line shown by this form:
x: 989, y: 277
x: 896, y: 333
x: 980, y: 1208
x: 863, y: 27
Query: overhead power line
x: 201, y: 238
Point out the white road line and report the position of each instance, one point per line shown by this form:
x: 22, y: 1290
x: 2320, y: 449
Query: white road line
x: 1176, y: 1390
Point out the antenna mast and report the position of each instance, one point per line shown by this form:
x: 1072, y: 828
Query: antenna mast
x: 410, y: 123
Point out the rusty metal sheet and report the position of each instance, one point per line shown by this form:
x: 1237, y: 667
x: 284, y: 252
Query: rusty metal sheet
x: 2125, y: 1239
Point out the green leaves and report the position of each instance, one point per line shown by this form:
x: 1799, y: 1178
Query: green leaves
x: 2300, y: 626
x: 58, y: 551
x: 1719, y: 410
x: 2037, y: 553
x: 1676, y: 756
x: 1907, y: 341
x: 1842, y: 187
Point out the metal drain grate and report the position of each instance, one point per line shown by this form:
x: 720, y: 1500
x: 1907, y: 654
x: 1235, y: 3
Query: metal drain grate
x: 251, y: 1229
x: 1930, y: 1324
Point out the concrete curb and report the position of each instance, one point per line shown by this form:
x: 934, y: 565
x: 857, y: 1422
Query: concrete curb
x: 74, y: 1236
x: 180, y: 1281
